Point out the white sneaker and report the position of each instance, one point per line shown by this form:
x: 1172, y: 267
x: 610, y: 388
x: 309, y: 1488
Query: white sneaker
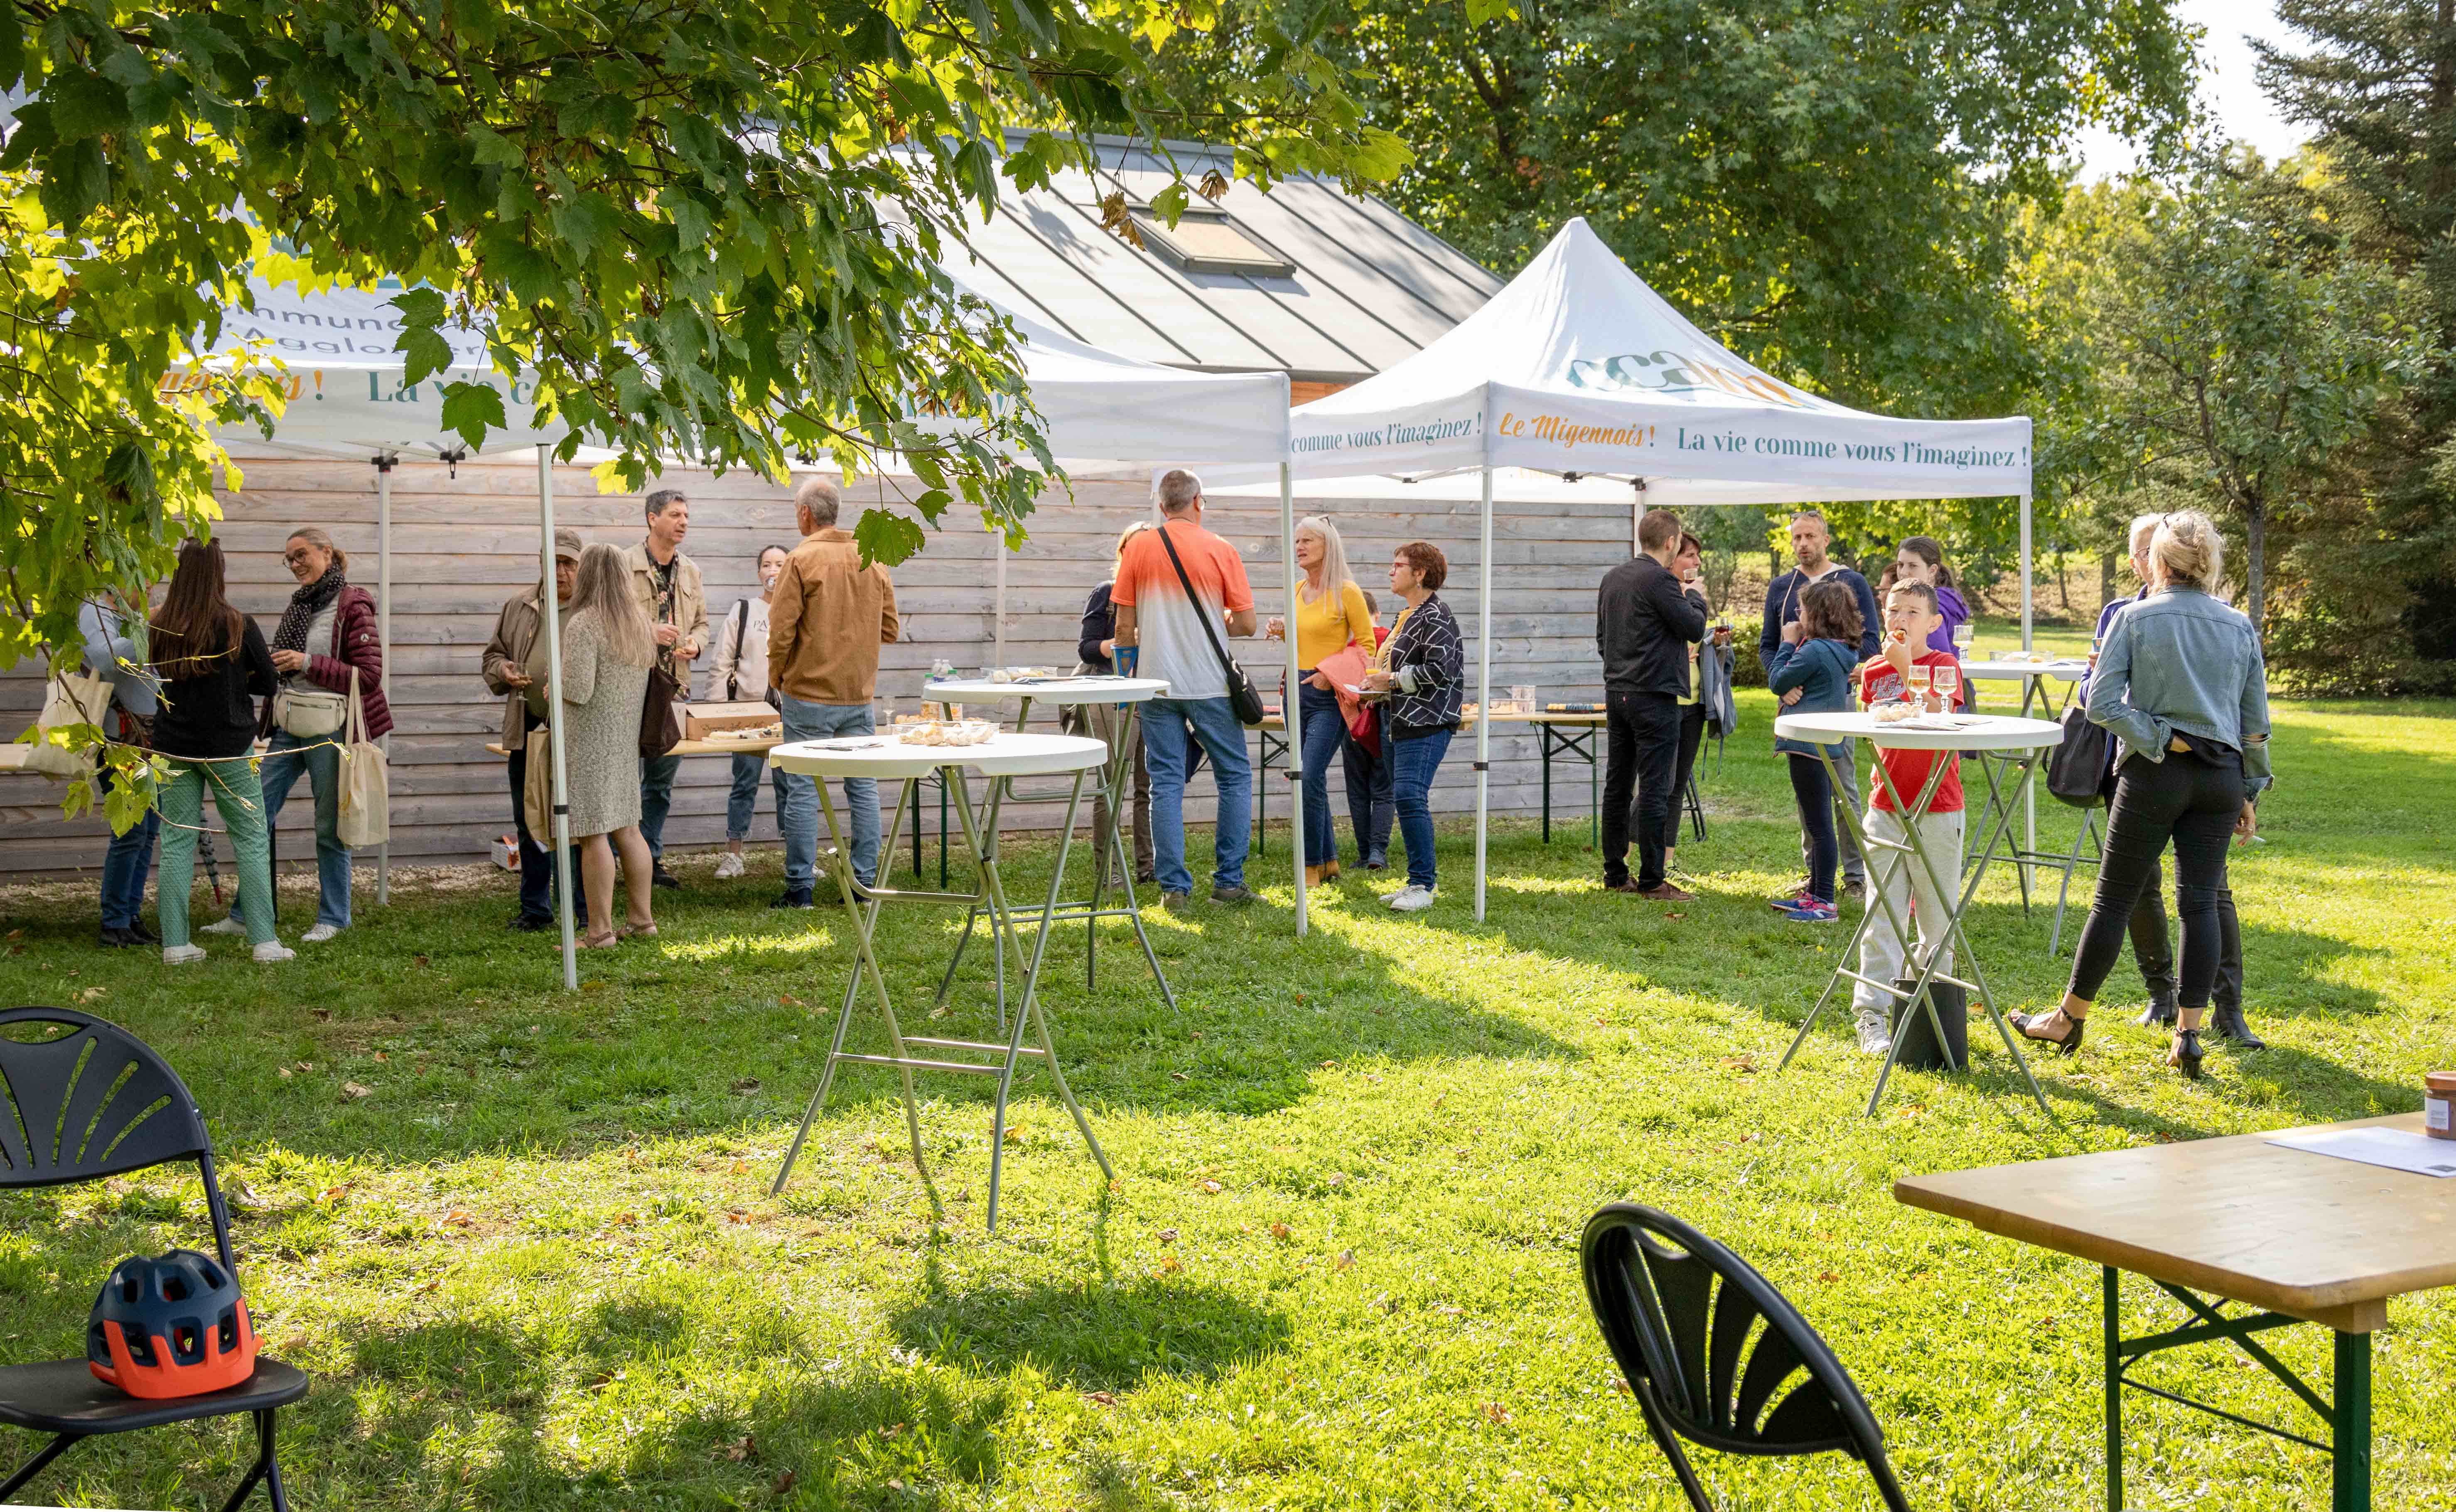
x: 1876, y: 1035
x: 320, y: 934
x: 730, y: 866
x: 182, y: 954
x: 1412, y: 899
x: 227, y: 925
x: 274, y: 950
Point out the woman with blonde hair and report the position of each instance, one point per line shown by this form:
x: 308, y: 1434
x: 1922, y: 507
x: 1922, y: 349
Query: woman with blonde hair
x: 2180, y: 683
x: 1330, y: 613
x: 608, y: 648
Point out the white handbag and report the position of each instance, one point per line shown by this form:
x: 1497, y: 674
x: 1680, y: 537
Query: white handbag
x: 310, y: 714
x: 366, y: 793
x: 72, y: 698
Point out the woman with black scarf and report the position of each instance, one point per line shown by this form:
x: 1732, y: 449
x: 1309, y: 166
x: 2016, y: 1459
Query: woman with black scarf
x: 328, y: 631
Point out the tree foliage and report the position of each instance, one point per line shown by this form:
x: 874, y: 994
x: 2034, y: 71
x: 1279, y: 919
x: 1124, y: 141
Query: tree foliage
x: 706, y: 228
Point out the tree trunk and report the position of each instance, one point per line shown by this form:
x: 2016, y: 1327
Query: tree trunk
x: 2105, y: 579
x: 2255, y: 545
x: 2064, y: 580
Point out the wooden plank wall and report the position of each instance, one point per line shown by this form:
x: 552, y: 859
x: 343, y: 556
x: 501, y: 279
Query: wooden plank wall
x: 465, y: 539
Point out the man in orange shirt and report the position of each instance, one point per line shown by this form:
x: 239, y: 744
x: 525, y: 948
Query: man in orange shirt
x: 1165, y: 623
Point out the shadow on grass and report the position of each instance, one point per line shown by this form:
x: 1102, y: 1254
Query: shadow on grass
x: 862, y: 1436
x: 1097, y: 1336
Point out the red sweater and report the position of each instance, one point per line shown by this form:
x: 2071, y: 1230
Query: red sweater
x: 355, y: 636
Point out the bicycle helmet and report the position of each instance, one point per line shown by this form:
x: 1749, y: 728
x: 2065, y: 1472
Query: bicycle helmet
x: 171, y: 1326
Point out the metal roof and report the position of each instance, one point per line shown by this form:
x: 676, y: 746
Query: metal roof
x: 1368, y: 287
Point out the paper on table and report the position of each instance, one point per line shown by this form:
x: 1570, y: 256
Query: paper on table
x: 2393, y: 1148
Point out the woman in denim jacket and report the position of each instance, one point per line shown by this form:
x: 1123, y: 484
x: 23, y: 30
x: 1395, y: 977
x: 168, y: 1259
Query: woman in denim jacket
x: 2180, y: 682
x: 1818, y: 655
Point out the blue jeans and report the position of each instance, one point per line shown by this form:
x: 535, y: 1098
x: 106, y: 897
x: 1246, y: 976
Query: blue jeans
x: 1324, y: 730
x: 1171, y: 727
x: 321, y: 764
x: 656, y: 797
x: 1412, y: 766
x: 797, y: 795
x: 125, y: 864
x: 742, y: 803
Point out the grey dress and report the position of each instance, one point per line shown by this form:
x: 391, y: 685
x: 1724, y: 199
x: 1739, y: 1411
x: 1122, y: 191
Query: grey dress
x: 602, y: 747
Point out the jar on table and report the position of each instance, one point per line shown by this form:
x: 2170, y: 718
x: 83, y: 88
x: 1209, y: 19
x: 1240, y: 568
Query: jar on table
x: 2438, y: 1104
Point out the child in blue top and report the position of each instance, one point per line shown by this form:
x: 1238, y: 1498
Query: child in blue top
x: 1817, y: 657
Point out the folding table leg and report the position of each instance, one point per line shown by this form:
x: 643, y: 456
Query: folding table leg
x: 2350, y: 1425
x: 2063, y: 889
x: 1867, y: 916
x: 35, y: 1466
x: 2111, y: 1289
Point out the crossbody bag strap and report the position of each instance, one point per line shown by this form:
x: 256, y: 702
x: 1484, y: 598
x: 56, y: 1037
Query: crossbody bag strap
x: 740, y: 632
x: 1201, y: 615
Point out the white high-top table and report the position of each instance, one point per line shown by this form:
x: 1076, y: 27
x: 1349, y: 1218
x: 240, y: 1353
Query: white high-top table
x: 2025, y: 854
x: 883, y: 758
x: 2022, y: 741
x: 1118, y: 699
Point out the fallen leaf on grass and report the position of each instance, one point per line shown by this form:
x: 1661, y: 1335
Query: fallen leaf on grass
x: 1280, y: 1231
x: 333, y: 1194
x: 91, y: 994
x: 460, y: 1218
x: 1346, y: 1259
x: 784, y: 1483
x: 1101, y: 1399
x: 1330, y: 1065
x: 1745, y: 1065
x: 731, y: 1215
x: 304, y: 1065
x: 383, y: 1055
x: 788, y: 1000
x: 1829, y: 1277
x: 352, y: 1091
x: 1619, y: 1383
x: 1014, y: 1137
x: 741, y: 1449
x: 1675, y: 915
x: 1169, y: 1265
x: 1167, y: 1236
x: 321, y: 1015
x: 1179, y: 1076
x: 890, y: 1430
x: 283, y: 1072
x: 16, y: 950
x: 1212, y: 1187
x: 421, y: 960
x: 747, y: 1084
x: 16, y: 934
x: 1495, y: 1413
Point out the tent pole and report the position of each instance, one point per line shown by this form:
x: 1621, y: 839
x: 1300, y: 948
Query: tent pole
x: 384, y: 461
x: 1483, y: 686
x: 2029, y: 790
x: 997, y: 628
x: 551, y: 622
x: 1292, y: 721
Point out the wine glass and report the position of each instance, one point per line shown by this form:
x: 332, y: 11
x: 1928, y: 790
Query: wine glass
x: 1963, y: 634
x: 1947, y: 681
x: 1918, y: 680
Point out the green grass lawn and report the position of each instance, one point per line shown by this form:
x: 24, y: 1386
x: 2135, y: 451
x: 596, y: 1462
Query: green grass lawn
x: 534, y: 1265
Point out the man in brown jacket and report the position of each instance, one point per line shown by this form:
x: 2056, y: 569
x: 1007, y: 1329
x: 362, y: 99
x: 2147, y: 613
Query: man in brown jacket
x: 507, y: 653
x: 828, y: 617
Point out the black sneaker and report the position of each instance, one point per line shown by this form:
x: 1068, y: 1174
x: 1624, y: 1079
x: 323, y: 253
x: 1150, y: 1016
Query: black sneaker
x: 661, y: 877
x: 139, y: 934
x: 1232, y: 896
x: 115, y: 938
x: 793, y: 898
x: 529, y: 922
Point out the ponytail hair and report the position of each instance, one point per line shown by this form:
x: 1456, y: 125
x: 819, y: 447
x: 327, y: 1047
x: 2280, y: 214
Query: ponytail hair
x: 1930, y: 550
x: 2187, y: 551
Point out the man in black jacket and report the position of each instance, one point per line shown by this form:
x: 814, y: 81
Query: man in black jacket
x: 1644, y: 625
x: 1809, y: 537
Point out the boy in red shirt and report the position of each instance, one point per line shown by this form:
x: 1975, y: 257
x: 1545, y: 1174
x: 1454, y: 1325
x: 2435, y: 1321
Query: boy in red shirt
x: 1911, y: 614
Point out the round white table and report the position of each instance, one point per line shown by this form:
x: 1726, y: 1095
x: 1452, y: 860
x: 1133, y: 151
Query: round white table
x: 884, y: 757
x: 1110, y: 706
x: 2022, y: 741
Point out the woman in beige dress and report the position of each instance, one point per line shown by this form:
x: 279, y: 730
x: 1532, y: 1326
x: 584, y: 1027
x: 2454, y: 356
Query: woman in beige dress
x: 607, y: 648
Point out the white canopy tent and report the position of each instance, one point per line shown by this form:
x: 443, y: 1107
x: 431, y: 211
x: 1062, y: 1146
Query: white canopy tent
x: 1102, y: 412
x: 1578, y: 367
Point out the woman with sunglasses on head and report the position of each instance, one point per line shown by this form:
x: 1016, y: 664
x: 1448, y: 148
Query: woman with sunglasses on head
x: 328, y: 633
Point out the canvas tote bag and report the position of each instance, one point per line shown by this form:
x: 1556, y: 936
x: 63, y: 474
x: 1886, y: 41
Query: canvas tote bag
x: 71, y: 698
x: 366, y: 793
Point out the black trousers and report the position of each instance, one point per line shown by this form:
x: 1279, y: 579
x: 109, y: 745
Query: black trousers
x: 2154, y: 954
x: 537, y: 861
x: 1372, y: 804
x: 2193, y: 802
x: 1641, y: 753
x: 1692, y: 734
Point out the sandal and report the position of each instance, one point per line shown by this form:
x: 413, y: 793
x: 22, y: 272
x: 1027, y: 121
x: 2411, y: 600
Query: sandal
x: 598, y: 942
x: 636, y: 932
x: 2068, y: 1042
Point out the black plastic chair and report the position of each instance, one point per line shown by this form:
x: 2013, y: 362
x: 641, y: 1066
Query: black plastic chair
x: 90, y: 1103
x: 1684, y: 1342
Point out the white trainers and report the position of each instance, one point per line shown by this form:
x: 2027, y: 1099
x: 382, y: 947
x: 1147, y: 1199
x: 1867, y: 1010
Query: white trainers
x: 320, y: 934
x: 274, y: 950
x: 729, y: 866
x: 228, y: 923
x: 1412, y: 899
x: 182, y: 954
x: 1876, y: 1035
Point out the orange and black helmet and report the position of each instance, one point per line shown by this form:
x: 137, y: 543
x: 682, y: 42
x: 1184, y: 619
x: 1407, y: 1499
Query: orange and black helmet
x: 171, y: 1326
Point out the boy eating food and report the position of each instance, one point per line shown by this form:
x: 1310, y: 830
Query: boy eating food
x: 1911, y: 615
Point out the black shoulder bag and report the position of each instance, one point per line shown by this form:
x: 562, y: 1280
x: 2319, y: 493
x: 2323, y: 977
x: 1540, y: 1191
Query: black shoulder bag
x: 1241, y: 696
x: 2079, y: 768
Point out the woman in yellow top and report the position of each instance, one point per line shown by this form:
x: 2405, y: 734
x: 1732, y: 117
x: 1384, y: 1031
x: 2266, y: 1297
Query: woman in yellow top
x: 1329, y: 613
